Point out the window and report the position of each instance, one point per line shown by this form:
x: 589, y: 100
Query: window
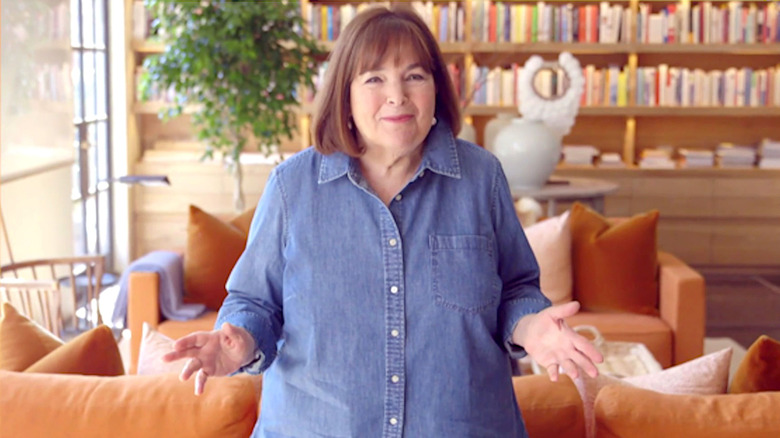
x: 91, y: 196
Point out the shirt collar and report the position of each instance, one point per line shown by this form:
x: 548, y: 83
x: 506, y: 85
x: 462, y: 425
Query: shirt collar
x: 440, y: 156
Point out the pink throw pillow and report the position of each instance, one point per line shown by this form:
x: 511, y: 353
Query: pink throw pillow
x: 550, y: 241
x: 705, y: 375
x: 153, y: 346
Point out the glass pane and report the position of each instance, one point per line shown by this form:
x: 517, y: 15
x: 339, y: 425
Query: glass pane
x: 75, y: 23
x: 91, y: 222
x: 104, y: 230
x: 88, y: 22
x: 92, y: 157
x: 100, y: 23
x: 89, y: 86
x: 78, y: 228
x: 78, y: 110
x: 102, y: 150
x: 101, y: 86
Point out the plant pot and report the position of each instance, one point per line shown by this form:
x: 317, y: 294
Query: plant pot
x: 528, y: 152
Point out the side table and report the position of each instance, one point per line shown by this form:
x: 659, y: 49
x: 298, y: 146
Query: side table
x: 589, y: 190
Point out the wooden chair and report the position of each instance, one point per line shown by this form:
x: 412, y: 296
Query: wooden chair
x: 38, y: 300
x: 75, y: 278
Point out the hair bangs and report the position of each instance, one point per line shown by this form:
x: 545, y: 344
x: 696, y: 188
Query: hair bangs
x: 391, y: 36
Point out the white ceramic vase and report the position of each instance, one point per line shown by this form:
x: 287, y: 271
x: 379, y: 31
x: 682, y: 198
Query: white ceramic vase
x: 467, y: 132
x: 494, y: 126
x: 528, y: 152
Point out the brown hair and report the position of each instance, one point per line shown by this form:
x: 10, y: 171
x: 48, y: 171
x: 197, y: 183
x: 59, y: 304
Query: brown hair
x: 363, y: 45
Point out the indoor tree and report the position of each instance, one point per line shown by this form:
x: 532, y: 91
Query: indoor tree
x: 239, y: 65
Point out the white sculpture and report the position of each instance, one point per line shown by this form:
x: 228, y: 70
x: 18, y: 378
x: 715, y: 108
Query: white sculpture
x: 530, y: 147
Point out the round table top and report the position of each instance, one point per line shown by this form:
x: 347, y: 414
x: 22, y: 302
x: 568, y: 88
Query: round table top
x: 568, y: 188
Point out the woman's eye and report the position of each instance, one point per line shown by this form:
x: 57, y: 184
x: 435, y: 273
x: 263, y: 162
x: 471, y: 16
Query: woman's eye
x: 416, y: 77
x: 373, y: 80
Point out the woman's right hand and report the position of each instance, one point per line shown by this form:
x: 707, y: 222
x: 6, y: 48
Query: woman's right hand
x: 215, y: 353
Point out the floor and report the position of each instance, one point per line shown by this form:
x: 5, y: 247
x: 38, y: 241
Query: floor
x: 743, y: 306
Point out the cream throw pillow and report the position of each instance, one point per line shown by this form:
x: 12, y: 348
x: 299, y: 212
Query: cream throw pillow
x: 550, y: 241
x: 701, y: 376
x: 153, y: 346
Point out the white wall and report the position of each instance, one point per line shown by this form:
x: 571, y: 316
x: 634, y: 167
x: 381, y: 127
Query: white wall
x: 36, y: 128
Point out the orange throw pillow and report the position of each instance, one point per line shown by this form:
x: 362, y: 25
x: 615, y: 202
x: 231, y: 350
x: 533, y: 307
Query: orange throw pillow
x: 614, y: 266
x: 213, y: 247
x: 22, y: 341
x: 52, y: 405
x: 93, y: 353
x: 760, y: 368
x: 628, y: 412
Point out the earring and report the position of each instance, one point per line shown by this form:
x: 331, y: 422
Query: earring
x: 434, y: 121
x: 349, y: 124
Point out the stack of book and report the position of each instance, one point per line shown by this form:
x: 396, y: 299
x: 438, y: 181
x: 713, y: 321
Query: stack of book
x: 770, y: 154
x: 611, y: 160
x: 697, y: 158
x: 658, y: 158
x: 732, y: 156
x: 579, y: 155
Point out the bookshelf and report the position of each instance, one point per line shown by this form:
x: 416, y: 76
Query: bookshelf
x: 627, y: 129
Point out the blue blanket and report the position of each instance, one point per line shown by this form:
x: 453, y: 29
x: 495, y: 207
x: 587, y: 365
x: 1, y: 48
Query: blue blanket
x: 168, y: 265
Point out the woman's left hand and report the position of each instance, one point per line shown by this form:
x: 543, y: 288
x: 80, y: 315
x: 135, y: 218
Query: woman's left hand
x: 552, y: 343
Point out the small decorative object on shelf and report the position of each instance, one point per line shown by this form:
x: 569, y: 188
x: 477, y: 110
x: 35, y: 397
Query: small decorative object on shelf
x: 529, y: 148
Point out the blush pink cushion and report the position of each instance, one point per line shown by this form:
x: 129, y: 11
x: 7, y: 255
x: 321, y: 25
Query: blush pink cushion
x: 704, y: 375
x: 550, y: 241
x: 154, y: 345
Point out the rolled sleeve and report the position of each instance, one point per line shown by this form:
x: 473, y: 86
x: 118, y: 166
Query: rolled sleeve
x: 510, y: 313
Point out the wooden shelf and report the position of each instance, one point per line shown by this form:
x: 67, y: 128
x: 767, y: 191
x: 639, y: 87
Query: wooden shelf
x: 709, y: 49
x: 635, y: 111
x: 535, y: 48
x: 594, y: 48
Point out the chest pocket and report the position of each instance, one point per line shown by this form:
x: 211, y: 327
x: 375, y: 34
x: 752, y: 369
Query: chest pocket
x: 464, y: 276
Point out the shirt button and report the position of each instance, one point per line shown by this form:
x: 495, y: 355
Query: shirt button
x: 398, y: 197
x: 394, y: 290
x: 422, y: 173
x: 392, y: 242
x: 394, y: 333
x: 393, y: 421
x: 395, y: 379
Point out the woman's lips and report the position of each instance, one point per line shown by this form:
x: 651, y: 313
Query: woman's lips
x: 398, y: 119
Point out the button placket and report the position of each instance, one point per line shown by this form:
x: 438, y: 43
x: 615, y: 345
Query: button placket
x: 394, y: 301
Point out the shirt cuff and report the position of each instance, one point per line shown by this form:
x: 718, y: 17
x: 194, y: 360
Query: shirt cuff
x: 254, y: 366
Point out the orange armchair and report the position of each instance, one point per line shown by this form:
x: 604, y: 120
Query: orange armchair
x: 677, y: 334
x: 143, y: 306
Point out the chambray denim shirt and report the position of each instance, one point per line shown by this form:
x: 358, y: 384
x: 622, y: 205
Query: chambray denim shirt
x: 391, y: 321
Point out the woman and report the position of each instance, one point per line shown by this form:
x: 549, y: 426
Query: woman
x: 386, y: 281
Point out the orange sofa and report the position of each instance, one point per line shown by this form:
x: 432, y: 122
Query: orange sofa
x: 160, y: 405
x: 675, y: 336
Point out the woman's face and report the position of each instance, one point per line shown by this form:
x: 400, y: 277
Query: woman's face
x: 393, y: 106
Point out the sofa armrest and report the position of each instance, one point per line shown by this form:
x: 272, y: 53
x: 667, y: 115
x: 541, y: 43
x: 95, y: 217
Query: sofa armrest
x: 143, y: 305
x: 682, y: 305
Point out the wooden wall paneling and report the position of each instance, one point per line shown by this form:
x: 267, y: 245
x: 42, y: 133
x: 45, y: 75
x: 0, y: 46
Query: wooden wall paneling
x: 683, y: 207
x: 688, y: 239
x: 752, y: 207
x: 749, y: 242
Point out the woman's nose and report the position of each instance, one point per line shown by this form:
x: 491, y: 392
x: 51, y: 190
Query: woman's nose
x: 396, y: 94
